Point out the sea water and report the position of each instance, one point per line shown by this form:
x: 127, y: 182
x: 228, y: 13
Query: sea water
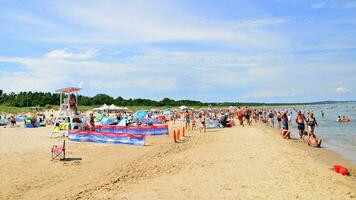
x: 338, y: 137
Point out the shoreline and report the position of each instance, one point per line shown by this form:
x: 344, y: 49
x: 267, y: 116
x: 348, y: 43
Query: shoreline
x: 322, y: 155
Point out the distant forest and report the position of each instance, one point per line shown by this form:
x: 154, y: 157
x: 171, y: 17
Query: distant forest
x: 30, y: 99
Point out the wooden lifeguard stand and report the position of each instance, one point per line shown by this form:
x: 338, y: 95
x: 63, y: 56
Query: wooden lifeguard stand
x: 68, y: 111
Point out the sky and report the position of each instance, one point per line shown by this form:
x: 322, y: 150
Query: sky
x: 207, y: 50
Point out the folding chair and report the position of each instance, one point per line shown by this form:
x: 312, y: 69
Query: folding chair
x: 59, y: 151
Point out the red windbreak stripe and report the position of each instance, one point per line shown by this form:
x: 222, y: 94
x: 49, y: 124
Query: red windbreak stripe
x: 123, y: 135
x: 131, y: 127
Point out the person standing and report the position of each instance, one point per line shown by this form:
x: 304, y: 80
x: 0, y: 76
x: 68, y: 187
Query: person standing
x: 271, y: 118
x: 311, y: 121
x: 187, y: 120
x: 300, y: 120
x: 240, y: 116
x: 279, y: 119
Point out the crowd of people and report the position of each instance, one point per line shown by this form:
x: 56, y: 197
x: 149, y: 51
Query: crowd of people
x: 35, y: 119
x: 305, y: 124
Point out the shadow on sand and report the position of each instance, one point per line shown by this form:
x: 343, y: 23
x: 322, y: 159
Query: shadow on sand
x: 71, y: 159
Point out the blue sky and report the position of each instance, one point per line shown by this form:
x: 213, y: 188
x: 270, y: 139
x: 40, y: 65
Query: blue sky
x: 249, y: 51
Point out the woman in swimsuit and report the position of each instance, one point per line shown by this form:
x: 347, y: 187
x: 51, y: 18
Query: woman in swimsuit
x: 311, y: 121
x: 284, y: 119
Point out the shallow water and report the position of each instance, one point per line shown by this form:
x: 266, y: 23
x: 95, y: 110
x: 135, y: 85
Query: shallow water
x: 338, y: 137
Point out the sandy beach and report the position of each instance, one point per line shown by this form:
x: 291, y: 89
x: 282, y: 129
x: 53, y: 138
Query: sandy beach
x: 231, y: 163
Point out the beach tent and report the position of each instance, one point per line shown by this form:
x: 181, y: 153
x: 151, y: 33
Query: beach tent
x: 99, y: 116
x: 124, y: 122
x: 102, y: 108
x: 114, y: 108
x: 122, y: 109
x: 140, y: 115
x: 167, y: 111
x: 183, y: 107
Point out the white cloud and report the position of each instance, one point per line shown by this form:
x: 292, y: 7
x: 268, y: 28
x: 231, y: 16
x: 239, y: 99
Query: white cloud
x: 260, y: 22
x: 65, y: 54
x: 342, y: 90
x: 48, y: 74
x: 114, y: 22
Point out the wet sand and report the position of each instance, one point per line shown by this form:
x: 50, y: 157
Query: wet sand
x: 235, y: 163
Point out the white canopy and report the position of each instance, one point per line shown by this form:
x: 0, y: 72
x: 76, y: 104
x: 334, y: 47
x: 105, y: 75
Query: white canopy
x: 183, y: 107
x: 103, y: 107
x: 112, y: 107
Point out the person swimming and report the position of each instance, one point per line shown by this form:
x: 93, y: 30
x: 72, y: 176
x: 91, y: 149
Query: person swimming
x: 338, y: 119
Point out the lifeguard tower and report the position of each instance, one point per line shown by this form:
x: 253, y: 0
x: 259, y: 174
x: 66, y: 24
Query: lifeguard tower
x: 68, y: 117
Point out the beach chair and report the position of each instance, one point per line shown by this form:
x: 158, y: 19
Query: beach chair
x: 59, y: 151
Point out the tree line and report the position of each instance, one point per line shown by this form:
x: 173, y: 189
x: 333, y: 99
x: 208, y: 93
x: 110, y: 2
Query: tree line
x: 31, y: 99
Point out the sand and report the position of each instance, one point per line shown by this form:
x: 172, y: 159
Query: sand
x: 235, y: 163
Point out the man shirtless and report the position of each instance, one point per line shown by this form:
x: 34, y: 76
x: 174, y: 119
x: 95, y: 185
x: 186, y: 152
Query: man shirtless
x: 300, y: 120
x: 248, y: 115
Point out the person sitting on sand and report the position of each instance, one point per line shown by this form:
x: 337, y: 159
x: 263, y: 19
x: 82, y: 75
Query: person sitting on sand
x: 300, y: 119
x: 313, y: 141
x: 286, y: 134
